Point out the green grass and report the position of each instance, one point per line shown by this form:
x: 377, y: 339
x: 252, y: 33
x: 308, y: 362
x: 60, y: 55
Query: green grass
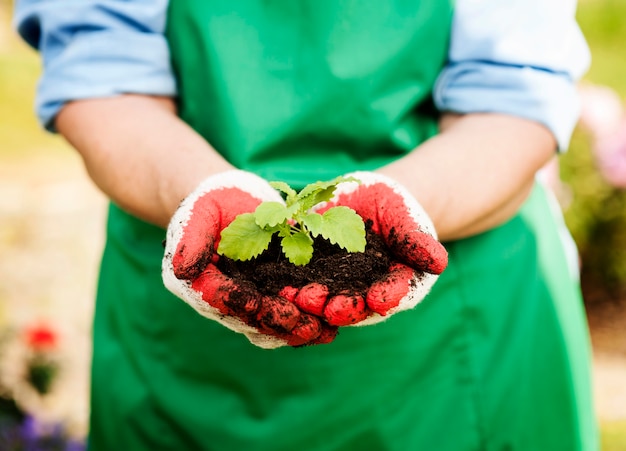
x: 20, y: 134
x: 603, y: 24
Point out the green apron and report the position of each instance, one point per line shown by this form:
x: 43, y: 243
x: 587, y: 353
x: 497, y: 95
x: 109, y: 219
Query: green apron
x: 495, y: 358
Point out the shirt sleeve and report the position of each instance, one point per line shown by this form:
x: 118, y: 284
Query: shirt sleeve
x: 518, y: 57
x: 96, y: 48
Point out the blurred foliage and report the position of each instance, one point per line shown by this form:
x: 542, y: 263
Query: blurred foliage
x: 597, y: 220
x: 604, y: 25
x: 20, y: 134
x: 596, y: 214
x: 613, y: 435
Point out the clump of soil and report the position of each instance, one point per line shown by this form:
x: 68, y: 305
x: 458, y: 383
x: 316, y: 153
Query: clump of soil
x: 330, y: 265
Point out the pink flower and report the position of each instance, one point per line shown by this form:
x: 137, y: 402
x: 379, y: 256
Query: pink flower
x: 41, y: 338
x: 601, y: 109
x: 610, y: 154
x: 603, y: 115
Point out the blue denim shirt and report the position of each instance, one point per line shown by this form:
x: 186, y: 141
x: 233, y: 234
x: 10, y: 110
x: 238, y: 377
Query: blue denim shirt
x: 517, y: 57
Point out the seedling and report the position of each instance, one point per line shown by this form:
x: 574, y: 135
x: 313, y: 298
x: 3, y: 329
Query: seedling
x: 295, y: 223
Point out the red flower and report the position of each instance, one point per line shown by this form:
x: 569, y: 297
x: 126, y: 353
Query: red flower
x: 41, y: 338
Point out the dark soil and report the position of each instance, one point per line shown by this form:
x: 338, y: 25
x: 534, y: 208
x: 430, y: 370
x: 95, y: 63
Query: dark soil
x: 330, y: 265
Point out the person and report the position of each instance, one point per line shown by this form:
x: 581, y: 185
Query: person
x: 460, y: 103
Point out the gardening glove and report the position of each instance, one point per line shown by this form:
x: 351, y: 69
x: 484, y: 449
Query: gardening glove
x: 407, y: 230
x: 189, y: 266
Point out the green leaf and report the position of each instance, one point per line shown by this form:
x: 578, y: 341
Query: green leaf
x: 314, y: 223
x: 243, y: 239
x: 313, y: 188
x: 319, y: 192
x: 317, y: 198
x: 285, y: 188
x: 298, y: 248
x: 250, y: 234
x: 344, y: 227
x: 270, y: 214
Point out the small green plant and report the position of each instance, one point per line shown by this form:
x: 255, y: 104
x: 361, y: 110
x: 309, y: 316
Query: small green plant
x: 295, y: 223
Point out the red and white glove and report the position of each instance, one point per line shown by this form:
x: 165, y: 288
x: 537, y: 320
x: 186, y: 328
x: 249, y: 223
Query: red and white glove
x: 189, y: 269
x: 408, y: 233
x: 306, y: 315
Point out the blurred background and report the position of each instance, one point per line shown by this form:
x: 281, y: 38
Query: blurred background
x: 52, y: 230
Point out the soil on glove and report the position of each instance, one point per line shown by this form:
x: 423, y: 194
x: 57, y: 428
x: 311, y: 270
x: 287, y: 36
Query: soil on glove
x: 330, y: 265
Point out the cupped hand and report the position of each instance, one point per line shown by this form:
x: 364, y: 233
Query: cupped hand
x: 189, y: 266
x: 310, y: 314
x: 417, y: 256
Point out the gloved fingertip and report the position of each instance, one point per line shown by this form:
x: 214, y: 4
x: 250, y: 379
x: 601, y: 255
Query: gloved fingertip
x: 288, y: 293
x: 387, y: 293
x: 328, y: 335
x: 345, y: 309
x: 196, y: 247
x: 307, y: 329
x: 278, y: 314
x: 312, y: 298
x: 189, y: 264
x: 243, y: 300
x: 214, y: 288
x: 222, y: 293
x: 421, y: 251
